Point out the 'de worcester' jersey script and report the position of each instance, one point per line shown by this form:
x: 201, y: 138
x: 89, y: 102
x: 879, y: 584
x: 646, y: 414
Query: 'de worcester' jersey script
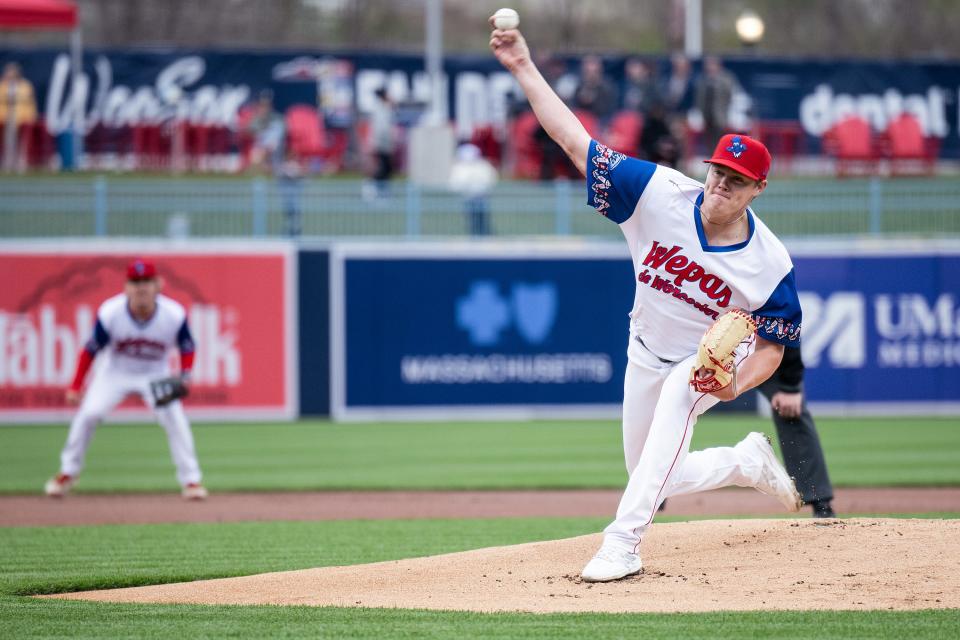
x: 683, y: 284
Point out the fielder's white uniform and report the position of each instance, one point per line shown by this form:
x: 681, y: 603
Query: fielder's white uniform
x: 683, y: 285
x: 134, y: 354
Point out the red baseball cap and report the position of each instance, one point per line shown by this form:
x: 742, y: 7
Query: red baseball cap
x: 743, y: 154
x: 141, y: 269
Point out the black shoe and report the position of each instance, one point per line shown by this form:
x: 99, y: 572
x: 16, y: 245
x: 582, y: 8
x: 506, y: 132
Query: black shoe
x: 823, y: 509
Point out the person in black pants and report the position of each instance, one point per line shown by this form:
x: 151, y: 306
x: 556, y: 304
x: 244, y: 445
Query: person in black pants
x: 799, y: 442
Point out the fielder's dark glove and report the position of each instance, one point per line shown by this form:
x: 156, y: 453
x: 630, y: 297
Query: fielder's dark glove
x: 166, y: 390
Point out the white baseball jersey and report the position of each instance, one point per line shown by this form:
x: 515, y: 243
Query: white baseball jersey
x: 136, y: 347
x: 683, y: 283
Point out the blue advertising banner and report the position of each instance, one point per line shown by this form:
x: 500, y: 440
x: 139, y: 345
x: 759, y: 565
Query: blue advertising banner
x: 881, y: 331
x: 485, y: 332
x: 481, y: 331
x: 128, y: 87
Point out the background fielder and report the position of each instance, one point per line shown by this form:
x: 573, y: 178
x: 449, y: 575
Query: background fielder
x: 136, y: 329
x: 698, y: 252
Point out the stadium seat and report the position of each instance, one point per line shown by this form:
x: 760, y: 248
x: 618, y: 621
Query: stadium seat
x: 151, y: 146
x: 851, y: 142
x: 523, y: 154
x: 784, y: 139
x: 490, y: 146
x: 907, y: 149
x: 41, y: 146
x: 305, y: 133
x: 624, y: 131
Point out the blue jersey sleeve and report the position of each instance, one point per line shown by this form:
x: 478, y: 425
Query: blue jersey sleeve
x: 185, y: 339
x: 99, y: 339
x: 615, y: 182
x: 778, y: 320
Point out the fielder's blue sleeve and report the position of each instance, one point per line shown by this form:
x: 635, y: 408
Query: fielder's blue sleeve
x: 615, y: 182
x: 99, y: 339
x: 185, y: 339
x: 778, y: 320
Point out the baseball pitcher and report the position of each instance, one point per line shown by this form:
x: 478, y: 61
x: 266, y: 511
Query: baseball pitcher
x: 715, y: 304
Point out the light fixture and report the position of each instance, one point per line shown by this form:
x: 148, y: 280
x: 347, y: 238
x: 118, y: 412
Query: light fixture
x: 749, y: 28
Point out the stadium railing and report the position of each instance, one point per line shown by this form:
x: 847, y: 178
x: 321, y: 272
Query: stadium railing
x: 242, y: 207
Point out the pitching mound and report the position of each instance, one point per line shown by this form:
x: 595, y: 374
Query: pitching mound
x: 692, y: 566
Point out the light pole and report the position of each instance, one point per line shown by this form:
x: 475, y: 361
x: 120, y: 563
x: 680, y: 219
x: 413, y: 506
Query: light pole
x: 750, y: 28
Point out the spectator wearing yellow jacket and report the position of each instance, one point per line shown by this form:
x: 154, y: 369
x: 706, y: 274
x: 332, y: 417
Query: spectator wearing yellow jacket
x: 18, y: 107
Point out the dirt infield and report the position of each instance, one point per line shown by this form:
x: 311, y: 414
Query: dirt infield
x: 712, y: 565
x: 82, y: 509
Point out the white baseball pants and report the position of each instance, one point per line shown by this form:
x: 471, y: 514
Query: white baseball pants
x: 660, y: 410
x: 105, y: 392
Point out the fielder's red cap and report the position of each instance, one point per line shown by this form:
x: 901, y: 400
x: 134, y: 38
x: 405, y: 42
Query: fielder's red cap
x: 141, y: 269
x: 743, y: 154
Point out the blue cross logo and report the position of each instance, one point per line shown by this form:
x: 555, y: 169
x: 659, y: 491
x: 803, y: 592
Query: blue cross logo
x: 484, y: 313
x: 736, y: 147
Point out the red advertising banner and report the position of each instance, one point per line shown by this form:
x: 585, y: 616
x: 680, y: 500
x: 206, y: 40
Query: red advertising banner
x: 238, y: 305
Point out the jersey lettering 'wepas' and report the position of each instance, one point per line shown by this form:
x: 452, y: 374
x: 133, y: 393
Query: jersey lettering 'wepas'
x: 140, y: 347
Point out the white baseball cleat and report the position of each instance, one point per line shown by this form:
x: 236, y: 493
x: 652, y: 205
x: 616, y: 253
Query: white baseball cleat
x: 611, y: 563
x: 774, y: 479
x: 58, y: 486
x: 194, y: 491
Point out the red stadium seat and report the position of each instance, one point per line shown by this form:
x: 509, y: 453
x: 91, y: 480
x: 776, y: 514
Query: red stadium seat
x: 624, y: 131
x: 490, y: 147
x: 151, y: 146
x: 850, y: 141
x: 338, y: 142
x: 908, y: 150
x: 784, y: 139
x: 305, y: 132
x: 524, y: 153
x: 589, y: 122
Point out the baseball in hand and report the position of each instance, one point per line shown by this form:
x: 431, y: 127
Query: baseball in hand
x: 506, y: 19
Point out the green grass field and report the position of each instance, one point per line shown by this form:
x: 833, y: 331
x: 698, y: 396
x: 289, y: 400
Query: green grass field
x: 321, y: 455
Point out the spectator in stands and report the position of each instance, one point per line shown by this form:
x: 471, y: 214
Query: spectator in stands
x: 596, y: 93
x: 473, y: 176
x: 640, y: 89
x: 18, y: 107
x: 289, y: 177
x: 269, y: 132
x: 657, y: 141
x: 383, y: 143
x: 555, y: 73
x: 677, y: 94
x: 715, y: 91
x: 678, y: 88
